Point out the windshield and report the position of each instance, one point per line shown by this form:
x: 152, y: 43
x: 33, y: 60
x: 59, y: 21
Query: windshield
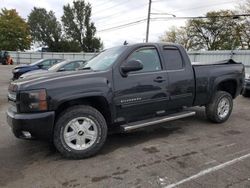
x: 35, y: 63
x: 105, y: 59
x: 57, y: 66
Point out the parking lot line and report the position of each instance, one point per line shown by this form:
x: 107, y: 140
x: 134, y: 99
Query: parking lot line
x: 209, y: 170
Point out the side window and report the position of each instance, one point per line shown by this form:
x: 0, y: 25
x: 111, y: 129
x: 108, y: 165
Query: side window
x: 45, y: 64
x: 149, y: 58
x: 54, y: 61
x: 70, y: 66
x: 172, y: 59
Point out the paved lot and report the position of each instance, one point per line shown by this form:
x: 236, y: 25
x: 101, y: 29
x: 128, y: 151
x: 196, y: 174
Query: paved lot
x: 186, y: 153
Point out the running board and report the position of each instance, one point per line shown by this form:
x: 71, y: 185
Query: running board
x: 157, y: 120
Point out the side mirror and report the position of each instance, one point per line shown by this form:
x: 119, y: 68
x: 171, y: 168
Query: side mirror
x: 132, y: 65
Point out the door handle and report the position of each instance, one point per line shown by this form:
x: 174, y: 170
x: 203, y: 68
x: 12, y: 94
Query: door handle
x: 159, y: 79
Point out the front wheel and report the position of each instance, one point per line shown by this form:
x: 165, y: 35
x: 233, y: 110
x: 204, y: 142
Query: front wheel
x: 80, y: 132
x: 220, y: 108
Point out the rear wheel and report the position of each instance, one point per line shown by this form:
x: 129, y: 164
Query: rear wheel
x: 220, y: 108
x: 80, y: 132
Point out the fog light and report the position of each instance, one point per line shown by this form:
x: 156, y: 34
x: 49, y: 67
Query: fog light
x: 26, y: 134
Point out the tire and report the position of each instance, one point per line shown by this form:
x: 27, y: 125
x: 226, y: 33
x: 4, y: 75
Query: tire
x: 213, y: 112
x: 80, y: 132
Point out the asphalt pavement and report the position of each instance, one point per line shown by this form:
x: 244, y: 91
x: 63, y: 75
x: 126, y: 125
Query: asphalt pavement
x: 191, y: 153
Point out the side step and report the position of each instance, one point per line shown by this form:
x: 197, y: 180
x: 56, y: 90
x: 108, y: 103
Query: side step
x: 156, y: 120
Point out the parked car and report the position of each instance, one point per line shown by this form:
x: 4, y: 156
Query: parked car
x: 5, y: 58
x: 246, y: 88
x: 121, y: 89
x: 41, y: 64
x: 67, y: 65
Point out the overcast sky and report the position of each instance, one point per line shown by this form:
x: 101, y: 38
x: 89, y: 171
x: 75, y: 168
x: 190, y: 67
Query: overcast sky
x: 111, y: 13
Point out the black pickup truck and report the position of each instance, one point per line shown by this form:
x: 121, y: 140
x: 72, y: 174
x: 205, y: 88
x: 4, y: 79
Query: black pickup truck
x: 121, y: 89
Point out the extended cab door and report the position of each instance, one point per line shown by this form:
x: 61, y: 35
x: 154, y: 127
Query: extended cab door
x: 180, y: 76
x: 141, y: 93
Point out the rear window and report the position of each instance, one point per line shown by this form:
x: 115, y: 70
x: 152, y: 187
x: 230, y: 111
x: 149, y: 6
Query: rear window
x: 172, y: 59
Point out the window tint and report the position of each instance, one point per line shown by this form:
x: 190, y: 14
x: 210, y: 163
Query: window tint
x: 148, y: 57
x: 54, y: 61
x: 72, y: 66
x: 45, y: 64
x: 173, y: 59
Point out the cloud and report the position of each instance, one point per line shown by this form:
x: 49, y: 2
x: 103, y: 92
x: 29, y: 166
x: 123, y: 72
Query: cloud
x: 110, y: 13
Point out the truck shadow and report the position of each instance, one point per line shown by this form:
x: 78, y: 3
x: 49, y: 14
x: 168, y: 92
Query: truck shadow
x: 120, y: 140
x: 158, y: 131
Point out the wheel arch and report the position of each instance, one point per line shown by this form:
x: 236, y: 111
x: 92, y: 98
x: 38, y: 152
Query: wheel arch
x: 228, y: 85
x: 98, y: 102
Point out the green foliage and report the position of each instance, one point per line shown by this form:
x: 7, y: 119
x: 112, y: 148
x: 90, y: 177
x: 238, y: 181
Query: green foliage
x: 244, y: 31
x: 14, y: 31
x: 220, y: 31
x: 45, y: 28
x: 68, y: 46
x: 179, y: 36
x: 78, y: 26
x: 215, y: 32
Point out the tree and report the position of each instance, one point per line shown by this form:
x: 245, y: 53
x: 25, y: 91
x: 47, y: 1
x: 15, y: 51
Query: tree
x: 244, y: 31
x: 217, y: 32
x: 179, y: 36
x: 45, y: 28
x: 14, y: 31
x: 68, y: 46
x: 78, y: 26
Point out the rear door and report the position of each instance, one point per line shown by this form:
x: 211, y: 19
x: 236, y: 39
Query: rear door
x: 181, y: 77
x: 141, y: 93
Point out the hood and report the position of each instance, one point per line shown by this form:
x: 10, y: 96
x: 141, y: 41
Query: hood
x: 22, y: 66
x: 34, y: 73
x: 44, y: 80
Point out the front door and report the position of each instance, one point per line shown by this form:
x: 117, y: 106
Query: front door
x: 142, y: 93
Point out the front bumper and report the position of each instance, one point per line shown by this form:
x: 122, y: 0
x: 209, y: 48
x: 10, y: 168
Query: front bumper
x: 39, y: 125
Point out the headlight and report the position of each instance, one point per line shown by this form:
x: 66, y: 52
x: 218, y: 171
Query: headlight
x: 33, y: 101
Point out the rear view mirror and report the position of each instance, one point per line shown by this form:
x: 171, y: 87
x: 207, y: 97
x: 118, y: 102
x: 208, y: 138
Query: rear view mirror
x: 131, y: 65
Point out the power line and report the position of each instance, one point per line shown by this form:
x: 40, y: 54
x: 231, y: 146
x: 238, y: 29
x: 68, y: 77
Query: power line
x: 121, y: 13
x: 114, y: 6
x: 104, y: 3
x: 234, y: 16
x: 171, y: 18
x: 124, y: 25
x: 121, y: 23
x: 198, y: 7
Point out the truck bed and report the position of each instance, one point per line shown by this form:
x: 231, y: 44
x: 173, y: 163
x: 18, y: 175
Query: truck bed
x: 227, y: 61
x: 208, y: 74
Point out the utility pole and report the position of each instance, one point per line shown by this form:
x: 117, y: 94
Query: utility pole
x: 148, y: 20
